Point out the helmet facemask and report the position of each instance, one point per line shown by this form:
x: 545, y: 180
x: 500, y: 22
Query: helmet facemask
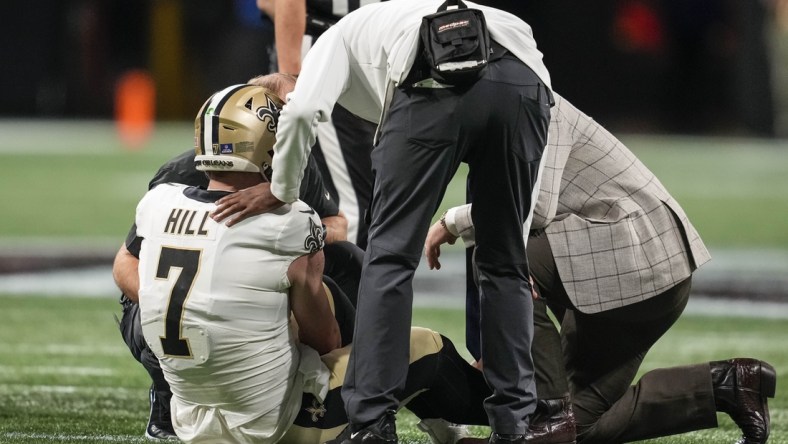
x: 235, y: 130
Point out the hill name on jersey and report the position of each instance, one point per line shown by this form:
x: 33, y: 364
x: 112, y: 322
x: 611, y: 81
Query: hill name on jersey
x: 183, y: 222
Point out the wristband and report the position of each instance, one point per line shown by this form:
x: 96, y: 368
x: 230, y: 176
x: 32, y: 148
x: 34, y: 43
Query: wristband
x: 445, y: 225
x: 443, y: 221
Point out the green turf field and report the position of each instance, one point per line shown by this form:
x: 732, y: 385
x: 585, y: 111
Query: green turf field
x: 67, y: 377
x: 77, y: 180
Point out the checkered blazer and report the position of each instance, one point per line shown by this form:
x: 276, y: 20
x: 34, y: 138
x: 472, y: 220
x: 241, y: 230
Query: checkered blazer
x: 617, y: 236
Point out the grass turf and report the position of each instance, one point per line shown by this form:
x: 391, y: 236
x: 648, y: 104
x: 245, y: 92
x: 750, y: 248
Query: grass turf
x: 76, y: 179
x: 67, y: 377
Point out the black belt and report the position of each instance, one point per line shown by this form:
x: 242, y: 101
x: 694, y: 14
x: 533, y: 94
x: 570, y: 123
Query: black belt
x: 498, y: 51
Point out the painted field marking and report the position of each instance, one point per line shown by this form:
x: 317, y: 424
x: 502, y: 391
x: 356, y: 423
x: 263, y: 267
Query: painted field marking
x: 55, y: 370
x: 59, y: 437
x: 62, y: 349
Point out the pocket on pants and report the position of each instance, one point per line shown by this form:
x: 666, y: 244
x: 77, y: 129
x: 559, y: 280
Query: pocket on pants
x: 431, y: 119
x: 532, y: 124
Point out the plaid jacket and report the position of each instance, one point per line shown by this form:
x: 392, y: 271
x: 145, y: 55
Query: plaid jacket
x: 617, y: 235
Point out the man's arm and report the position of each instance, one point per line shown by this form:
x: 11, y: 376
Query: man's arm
x: 455, y: 223
x: 266, y: 7
x: 289, y: 28
x: 251, y: 201
x: 317, y: 326
x: 124, y: 271
x: 324, y: 77
x: 248, y: 202
x: 438, y: 235
x: 336, y: 228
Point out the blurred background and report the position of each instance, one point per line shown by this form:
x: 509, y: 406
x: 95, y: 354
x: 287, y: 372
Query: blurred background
x: 97, y: 94
x: 657, y: 66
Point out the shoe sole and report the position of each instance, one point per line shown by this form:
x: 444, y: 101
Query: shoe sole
x: 429, y: 432
x: 768, y: 380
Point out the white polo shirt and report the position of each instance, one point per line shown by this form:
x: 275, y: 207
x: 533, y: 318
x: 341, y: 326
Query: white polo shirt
x: 356, y: 60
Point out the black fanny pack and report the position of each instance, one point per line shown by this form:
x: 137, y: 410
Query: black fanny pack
x: 456, y: 43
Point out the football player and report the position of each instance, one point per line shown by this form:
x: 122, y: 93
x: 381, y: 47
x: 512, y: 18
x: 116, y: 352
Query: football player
x: 342, y: 265
x: 238, y: 316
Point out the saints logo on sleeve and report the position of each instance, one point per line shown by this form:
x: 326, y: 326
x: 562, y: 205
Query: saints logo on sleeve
x: 315, y: 240
x: 304, y: 233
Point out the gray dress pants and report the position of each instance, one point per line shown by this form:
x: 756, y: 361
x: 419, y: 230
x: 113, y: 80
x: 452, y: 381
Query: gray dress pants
x: 498, y: 126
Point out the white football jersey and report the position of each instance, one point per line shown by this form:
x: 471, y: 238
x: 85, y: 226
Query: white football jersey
x: 214, y: 309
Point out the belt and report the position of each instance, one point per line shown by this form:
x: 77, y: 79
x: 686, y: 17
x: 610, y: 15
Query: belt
x: 498, y: 51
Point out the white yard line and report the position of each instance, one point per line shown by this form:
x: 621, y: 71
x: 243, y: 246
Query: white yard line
x: 59, y: 370
x: 88, y: 282
x: 60, y: 437
x: 60, y: 349
x: 124, y: 392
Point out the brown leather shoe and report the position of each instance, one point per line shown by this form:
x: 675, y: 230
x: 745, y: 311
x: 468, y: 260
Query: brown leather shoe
x: 552, y: 423
x: 507, y: 439
x: 741, y: 388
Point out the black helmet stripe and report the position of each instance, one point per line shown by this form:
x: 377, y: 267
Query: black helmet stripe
x: 210, y: 127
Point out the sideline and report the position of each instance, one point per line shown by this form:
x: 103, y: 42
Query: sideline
x: 61, y: 437
x: 432, y: 289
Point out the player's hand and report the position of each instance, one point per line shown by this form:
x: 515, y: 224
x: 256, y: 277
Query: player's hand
x: 248, y: 202
x: 336, y: 228
x: 437, y: 236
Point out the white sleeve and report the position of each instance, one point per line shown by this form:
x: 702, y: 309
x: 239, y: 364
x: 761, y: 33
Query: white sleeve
x: 459, y: 223
x: 324, y: 77
x: 144, y: 209
x: 302, y: 232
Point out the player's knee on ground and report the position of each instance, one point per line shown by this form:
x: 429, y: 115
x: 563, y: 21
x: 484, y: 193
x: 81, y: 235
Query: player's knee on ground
x: 319, y: 422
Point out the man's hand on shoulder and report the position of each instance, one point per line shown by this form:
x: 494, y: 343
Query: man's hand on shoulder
x: 336, y: 228
x: 245, y: 203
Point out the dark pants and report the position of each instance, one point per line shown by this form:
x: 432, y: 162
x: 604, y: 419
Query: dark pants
x: 599, y: 355
x: 343, y: 266
x: 499, y: 127
x: 440, y: 384
x: 131, y: 330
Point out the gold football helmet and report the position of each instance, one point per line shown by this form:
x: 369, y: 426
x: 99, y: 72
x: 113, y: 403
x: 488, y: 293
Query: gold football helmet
x: 235, y: 130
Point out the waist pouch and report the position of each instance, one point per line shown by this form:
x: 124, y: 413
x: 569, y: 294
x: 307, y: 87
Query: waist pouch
x: 455, y: 43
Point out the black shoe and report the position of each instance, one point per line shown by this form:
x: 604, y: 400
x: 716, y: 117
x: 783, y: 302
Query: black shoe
x: 552, y: 423
x: 382, y: 431
x: 496, y: 438
x: 741, y: 388
x: 159, y: 426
